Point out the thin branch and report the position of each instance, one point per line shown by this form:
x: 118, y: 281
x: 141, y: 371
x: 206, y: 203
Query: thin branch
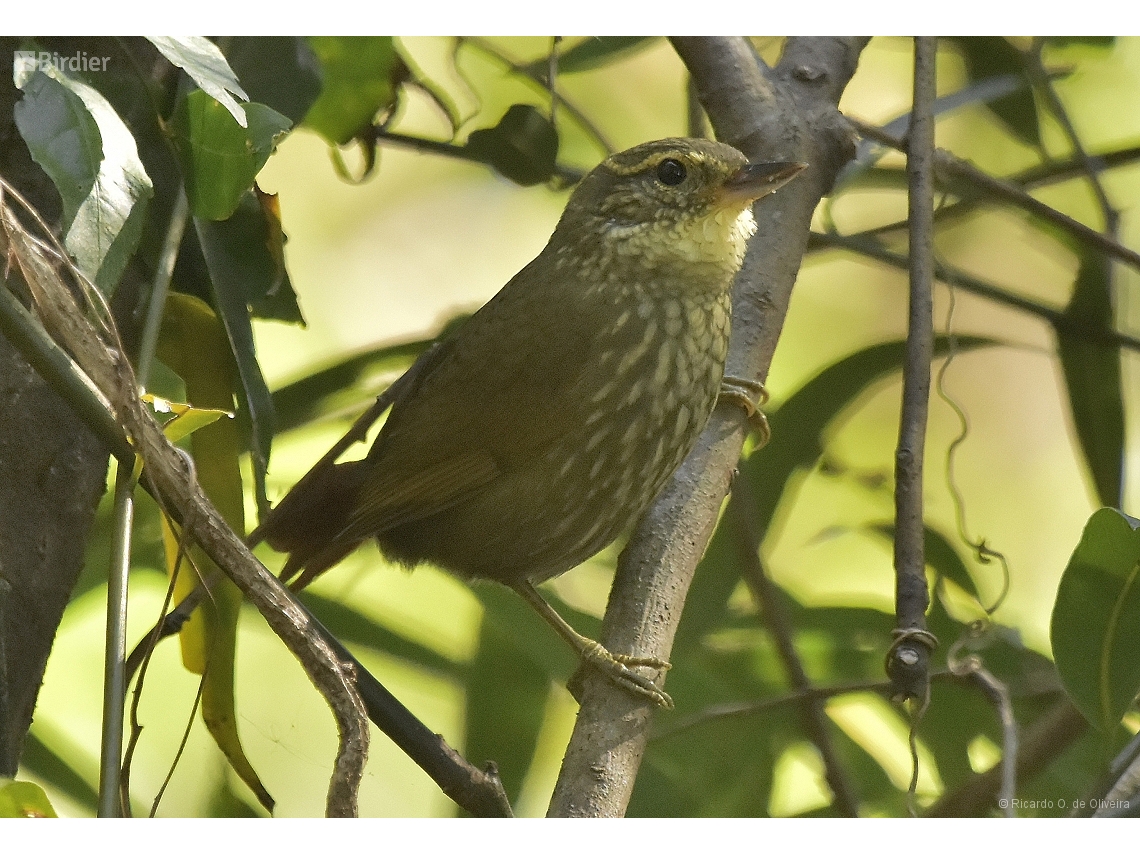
x: 527, y: 74
x: 114, y: 676
x: 181, y: 498
x: 951, y: 169
x: 566, y: 174
x: 1041, y: 175
x: 970, y: 668
x: 1043, y: 741
x: 743, y: 709
x: 908, y: 661
x: 1044, y: 84
x: 115, y: 652
x: 870, y: 248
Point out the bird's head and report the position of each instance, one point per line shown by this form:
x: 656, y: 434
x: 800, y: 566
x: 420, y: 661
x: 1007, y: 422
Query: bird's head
x: 673, y: 204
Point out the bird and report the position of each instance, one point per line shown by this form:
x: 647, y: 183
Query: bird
x: 538, y: 431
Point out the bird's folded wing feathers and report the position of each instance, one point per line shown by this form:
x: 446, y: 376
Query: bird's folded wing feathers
x: 385, y: 503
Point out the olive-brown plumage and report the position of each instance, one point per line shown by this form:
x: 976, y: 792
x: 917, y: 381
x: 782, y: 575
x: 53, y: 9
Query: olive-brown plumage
x: 547, y: 423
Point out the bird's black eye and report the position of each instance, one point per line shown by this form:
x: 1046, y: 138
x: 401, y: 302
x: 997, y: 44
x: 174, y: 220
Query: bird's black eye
x: 671, y: 172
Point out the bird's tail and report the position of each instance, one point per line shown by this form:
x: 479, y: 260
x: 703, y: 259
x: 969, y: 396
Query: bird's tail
x: 307, y: 522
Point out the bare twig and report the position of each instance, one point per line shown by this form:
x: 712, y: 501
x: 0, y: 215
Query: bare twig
x: 742, y: 709
x: 971, y: 668
x: 1044, y: 83
x: 908, y: 661
x: 870, y: 248
x: 527, y: 73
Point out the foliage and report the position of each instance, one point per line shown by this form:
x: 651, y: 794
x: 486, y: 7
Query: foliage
x: 1030, y: 347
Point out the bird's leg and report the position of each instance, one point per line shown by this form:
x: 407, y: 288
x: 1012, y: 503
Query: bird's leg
x: 617, y: 666
x: 750, y: 395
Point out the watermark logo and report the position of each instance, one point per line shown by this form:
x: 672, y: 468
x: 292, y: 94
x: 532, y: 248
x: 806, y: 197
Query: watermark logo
x: 28, y: 62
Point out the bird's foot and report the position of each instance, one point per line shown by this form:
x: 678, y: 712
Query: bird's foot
x: 618, y: 667
x: 749, y: 395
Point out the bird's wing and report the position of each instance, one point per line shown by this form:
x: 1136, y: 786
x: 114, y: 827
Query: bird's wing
x: 492, y: 397
x: 391, y: 499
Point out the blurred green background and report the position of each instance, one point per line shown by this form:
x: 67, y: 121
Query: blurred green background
x: 427, y: 237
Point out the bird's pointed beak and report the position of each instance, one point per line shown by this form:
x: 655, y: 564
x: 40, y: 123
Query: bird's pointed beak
x: 754, y: 180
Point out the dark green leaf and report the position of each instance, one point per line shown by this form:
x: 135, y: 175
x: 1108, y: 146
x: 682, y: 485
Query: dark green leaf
x: 723, y: 769
x: 1094, y: 627
x: 281, y: 72
x: 940, y: 554
x: 220, y: 159
x: 207, y: 66
x: 506, y: 701
x: 251, y: 242
x: 351, y: 627
x: 226, y: 260
x: 592, y: 52
x: 1092, y: 377
x: 84, y: 147
x: 348, y: 384
x: 523, y: 146
x: 508, y: 611
x: 362, y: 76
x: 993, y: 56
x: 54, y: 770
x: 797, y: 428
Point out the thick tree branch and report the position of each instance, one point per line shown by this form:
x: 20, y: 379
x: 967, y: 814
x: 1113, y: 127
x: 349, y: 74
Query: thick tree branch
x: 788, y: 113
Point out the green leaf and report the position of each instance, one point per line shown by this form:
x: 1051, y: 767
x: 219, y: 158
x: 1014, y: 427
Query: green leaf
x: 1094, y: 629
x: 1092, y: 377
x: 78, y: 139
x: 252, y: 242
x: 353, y: 628
x: 993, y: 56
x: 509, y: 612
x: 362, y: 76
x: 23, y: 799
x: 221, y: 159
x: 940, y: 554
x: 55, y: 769
x: 229, y: 262
x: 523, y: 146
x: 281, y: 72
x: 592, y: 52
x: 207, y: 66
x: 506, y: 701
x: 797, y: 442
x: 348, y: 384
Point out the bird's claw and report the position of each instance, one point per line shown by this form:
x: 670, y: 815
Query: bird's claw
x: 749, y: 395
x: 618, y: 667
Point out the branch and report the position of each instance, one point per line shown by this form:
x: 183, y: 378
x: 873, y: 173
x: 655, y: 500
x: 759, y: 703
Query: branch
x: 181, y: 498
x: 788, y: 113
x: 1045, y: 740
x: 871, y: 248
x: 908, y: 662
x: 951, y: 170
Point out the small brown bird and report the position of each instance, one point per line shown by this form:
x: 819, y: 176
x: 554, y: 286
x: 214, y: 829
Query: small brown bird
x: 544, y: 426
